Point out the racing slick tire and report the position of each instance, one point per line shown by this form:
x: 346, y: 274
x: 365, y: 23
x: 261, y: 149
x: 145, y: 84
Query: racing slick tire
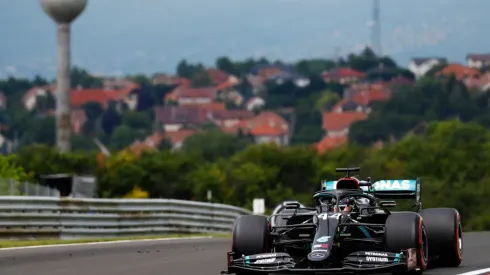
x: 445, y: 235
x: 250, y: 235
x: 405, y: 230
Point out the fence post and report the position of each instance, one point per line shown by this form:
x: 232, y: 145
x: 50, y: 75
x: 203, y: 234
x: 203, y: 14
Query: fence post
x: 11, y: 188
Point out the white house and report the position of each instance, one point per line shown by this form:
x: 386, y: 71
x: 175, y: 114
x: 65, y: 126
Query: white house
x: 478, y: 61
x: 30, y: 97
x: 420, y: 66
x: 254, y: 103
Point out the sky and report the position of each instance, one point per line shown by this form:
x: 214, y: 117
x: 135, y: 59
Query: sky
x: 119, y: 37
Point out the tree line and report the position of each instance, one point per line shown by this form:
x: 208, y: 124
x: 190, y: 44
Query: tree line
x: 410, y: 108
x: 451, y: 158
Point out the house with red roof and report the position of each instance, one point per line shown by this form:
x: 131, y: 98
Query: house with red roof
x: 228, y: 120
x: 218, y: 76
x: 191, y: 96
x: 481, y: 83
x: 337, y: 125
x: 359, y: 97
x: 343, y: 75
x: 330, y: 142
x: 266, y: 127
x: 268, y: 72
x: 459, y: 71
x: 354, y: 107
x: 213, y: 106
x: 176, y: 139
x: 170, y: 80
x: 471, y: 77
x: 227, y: 91
x: 80, y: 97
x: 366, y: 94
x: 175, y: 118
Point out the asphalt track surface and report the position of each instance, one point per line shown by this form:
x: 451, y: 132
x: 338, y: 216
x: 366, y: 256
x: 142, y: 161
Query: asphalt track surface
x: 171, y: 257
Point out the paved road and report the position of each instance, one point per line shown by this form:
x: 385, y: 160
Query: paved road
x: 170, y: 257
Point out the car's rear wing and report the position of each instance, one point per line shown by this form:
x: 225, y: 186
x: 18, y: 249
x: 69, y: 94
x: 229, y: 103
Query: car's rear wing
x: 388, y: 189
x: 396, y: 188
x: 399, y: 189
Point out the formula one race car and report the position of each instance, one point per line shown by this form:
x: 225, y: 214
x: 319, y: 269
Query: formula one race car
x: 348, y: 231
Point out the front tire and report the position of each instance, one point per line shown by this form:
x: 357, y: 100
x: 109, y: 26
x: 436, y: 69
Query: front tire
x: 445, y: 234
x: 250, y: 235
x: 405, y: 230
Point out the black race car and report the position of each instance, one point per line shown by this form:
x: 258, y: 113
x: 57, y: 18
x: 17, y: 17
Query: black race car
x: 350, y: 230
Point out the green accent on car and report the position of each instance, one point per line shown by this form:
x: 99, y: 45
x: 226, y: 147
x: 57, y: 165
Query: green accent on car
x: 247, y: 260
x: 397, y: 258
x: 364, y: 230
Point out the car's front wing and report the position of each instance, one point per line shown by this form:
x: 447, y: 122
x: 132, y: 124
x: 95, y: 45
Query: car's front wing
x: 282, y: 263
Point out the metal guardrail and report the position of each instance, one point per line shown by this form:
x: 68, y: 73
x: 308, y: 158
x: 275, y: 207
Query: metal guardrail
x: 10, y: 187
x: 23, y: 217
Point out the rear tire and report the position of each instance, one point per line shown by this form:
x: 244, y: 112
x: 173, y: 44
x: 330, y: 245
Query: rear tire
x: 445, y: 235
x: 250, y: 235
x: 405, y: 230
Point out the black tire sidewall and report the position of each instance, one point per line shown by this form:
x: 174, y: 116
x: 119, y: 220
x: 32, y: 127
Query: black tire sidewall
x: 250, y: 235
x: 443, y: 230
x: 406, y: 230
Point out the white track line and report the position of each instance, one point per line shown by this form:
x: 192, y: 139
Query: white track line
x: 475, y: 272
x: 104, y: 242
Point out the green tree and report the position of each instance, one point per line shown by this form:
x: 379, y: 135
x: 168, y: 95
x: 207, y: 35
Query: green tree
x: 140, y: 79
x: 123, y: 136
x: 93, y: 110
x: 137, y: 121
x: 327, y: 100
x: 214, y: 144
x: 429, y: 100
x: 110, y: 119
x: 226, y: 65
x: 40, y: 130
x: 314, y: 66
x: 82, y: 78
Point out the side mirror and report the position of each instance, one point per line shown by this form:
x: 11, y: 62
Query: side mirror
x: 387, y: 203
x: 292, y: 205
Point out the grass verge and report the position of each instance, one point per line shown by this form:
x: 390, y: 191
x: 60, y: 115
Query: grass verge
x: 26, y: 243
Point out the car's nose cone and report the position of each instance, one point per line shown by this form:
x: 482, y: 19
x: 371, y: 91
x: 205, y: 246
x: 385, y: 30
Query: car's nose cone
x: 318, y: 256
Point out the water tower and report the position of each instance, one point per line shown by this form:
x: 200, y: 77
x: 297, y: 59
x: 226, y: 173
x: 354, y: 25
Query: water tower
x: 63, y: 12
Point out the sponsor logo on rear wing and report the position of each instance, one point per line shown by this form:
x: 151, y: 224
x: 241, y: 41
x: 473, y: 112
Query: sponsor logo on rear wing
x: 402, y: 186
